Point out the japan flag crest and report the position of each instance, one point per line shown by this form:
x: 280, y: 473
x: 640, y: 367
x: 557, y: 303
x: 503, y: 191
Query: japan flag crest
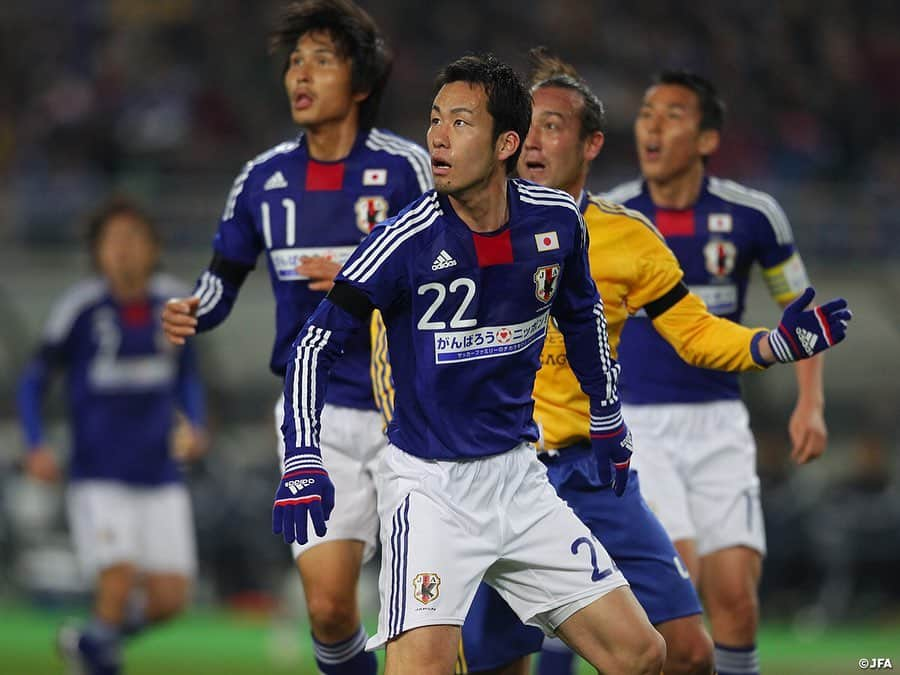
x: 546, y: 280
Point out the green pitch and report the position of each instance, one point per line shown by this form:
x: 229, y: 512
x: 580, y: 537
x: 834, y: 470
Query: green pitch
x: 228, y: 644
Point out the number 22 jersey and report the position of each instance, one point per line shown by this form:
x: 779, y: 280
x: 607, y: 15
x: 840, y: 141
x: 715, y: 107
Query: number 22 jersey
x: 466, y: 316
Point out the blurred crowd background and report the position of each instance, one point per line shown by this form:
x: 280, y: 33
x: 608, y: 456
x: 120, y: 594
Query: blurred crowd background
x: 166, y: 99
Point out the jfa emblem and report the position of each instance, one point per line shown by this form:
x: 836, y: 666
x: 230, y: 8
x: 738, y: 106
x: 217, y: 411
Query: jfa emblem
x: 719, y: 222
x: 426, y: 587
x: 720, y: 256
x: 546, y: 279
x: 370, y: 211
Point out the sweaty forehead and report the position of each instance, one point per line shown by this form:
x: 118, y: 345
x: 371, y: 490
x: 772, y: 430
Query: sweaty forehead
x: 461, y: 95
x: 556, y: 100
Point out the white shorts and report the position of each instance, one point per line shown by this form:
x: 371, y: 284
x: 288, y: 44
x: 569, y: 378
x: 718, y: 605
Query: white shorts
x: 351, y: 442
x: 697, y: 463
x: 445, y: 525
x: 151, y: 527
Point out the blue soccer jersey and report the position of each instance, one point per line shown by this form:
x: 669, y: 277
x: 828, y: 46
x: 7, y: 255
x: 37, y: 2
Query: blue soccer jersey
x: 288, y: 205
x: 716, y: 241
x: 466, y: 315
x: 123, y: 383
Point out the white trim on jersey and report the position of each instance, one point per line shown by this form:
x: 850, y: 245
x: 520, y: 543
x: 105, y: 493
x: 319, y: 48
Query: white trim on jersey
x: 418, y: 159
x: 542, y: 196
x: 757, y: 200
x: 304, y: 384
x: 622, y: 193
x: 408, y: 225
x: 609, y: 366
x: 238, y: 185
x: 209, y: 292
x: 70, y: 306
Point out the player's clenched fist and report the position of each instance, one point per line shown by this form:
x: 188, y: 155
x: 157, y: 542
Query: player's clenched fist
x: 179, y: 319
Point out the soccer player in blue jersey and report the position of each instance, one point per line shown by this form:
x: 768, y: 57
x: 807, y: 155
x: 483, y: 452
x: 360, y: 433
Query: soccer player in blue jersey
x: 698, y: 458
x: 306, y: 204
x: 129, y: 511
x: 467, y: 279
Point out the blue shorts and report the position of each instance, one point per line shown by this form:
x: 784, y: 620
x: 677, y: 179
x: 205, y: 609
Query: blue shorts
x: 493, y: 635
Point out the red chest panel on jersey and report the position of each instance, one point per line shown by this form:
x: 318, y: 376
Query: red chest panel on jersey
x: 324, y: 176
x: 495, y: 250
x: 675, y: 223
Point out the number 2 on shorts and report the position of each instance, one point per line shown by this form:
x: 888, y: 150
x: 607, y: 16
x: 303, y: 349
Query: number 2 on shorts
x: 596, y: 575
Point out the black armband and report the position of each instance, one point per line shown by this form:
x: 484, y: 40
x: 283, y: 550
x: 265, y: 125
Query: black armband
x: 229, y: 271
x: 351, y: 300
x: 667, y: 300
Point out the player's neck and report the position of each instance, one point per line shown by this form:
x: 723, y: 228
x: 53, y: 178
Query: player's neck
x: 484, y: 208
x: 680, y: 191
x: 576, y: 188
x: 332, y: 141
x: 127, y: 290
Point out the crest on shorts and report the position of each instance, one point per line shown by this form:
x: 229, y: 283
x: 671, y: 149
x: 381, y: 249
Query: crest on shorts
x: 426, y: 587
x: 546, y: 279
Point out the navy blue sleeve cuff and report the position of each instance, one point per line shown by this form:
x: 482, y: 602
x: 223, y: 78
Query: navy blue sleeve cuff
x: 754, y: 349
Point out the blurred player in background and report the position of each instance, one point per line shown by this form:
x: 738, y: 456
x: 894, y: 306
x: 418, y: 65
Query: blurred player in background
x: 306, y: 204
x: 633, y: 269
x: 129, y: 512
x: 698, y: 457
x: 467, y: 278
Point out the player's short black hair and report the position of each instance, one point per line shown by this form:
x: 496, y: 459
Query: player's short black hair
x: 118, y: 205
x: 712, y: 107
x: 356, y: 37
x: 508, y: 99
x: 548, y: 70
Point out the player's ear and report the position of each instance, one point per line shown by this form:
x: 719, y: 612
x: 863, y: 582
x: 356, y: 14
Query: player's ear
x: 507, y: 144
x: 708, y: 142
x: 360, y: 96
x: 592, y: 146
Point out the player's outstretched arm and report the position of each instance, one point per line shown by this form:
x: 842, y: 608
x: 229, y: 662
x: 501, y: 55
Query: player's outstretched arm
x: 708, y: 341
x: 306, y: 492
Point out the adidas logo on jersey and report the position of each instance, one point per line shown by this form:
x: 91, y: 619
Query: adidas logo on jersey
x: 808, y: 339
x: 275, y: 182
x: 443, y: 261
x: 296, y: 486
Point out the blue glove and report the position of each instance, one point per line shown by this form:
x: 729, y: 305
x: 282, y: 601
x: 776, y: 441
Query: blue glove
x: 305, y: 488
x: 612, y: 445
x: 805, y: 332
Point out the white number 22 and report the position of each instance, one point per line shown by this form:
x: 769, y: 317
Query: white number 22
x: 425, y: 323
